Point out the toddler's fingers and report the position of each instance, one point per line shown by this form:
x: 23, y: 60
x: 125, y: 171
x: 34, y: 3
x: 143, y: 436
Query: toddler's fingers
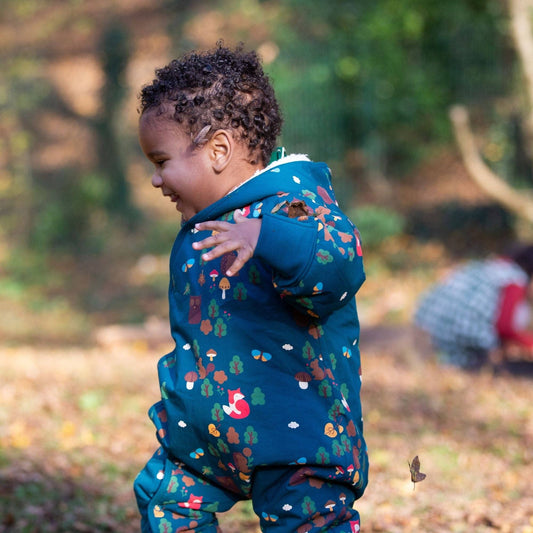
x: 238, y: 217
x: 219, y: 250
x: 213, y: 225
x: 242, y: 258
x: 210, y: 241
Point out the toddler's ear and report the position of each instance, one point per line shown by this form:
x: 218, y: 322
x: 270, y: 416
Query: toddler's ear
x: 220, y: 147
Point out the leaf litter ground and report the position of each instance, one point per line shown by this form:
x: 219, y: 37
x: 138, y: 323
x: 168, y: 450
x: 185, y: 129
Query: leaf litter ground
x: 74, y: 432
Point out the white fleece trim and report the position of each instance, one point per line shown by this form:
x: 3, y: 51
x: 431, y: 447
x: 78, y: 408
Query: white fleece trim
x: 287, y: 159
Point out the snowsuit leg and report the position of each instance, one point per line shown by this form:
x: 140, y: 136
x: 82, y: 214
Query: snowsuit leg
x: 172, y: 498
x: 304, y: 499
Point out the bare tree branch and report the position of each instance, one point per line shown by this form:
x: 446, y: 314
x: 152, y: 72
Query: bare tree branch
x: 490, y: 182
x: 521, y: 12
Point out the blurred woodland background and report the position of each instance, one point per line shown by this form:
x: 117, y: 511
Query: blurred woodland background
x: 366, y: 86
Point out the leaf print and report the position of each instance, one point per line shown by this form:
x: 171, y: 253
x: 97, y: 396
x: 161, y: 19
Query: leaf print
x: 309, y: 194
x: 233, y: 436
x: 324, y: 195
x: 206, y: 327
x: 329, y: 430
x: 345, y: 237
x: 220, y: 377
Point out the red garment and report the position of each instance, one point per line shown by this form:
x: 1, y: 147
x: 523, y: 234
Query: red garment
x: 512, y: 296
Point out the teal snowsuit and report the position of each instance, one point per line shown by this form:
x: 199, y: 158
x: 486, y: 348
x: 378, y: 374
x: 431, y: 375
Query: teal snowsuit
x: 261, y: 395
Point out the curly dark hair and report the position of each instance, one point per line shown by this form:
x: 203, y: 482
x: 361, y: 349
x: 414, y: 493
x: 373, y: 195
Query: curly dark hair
x: 218, y: 89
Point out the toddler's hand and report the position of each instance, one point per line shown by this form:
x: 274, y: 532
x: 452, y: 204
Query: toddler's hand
x: 241, y: 237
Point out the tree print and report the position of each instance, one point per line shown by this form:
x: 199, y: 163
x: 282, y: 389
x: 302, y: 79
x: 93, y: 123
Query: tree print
x: 346, y: 444
x: 250, y: 436
x: 213, y: 309
x: 220, y: 328
x: 305, y: 302
x: 316, y: 331
x: 335, y: 410
x: 169, y: 362
x: 206, y: 388
x: 222, y: 446
x: 165, y: 526
x: 239, y: 292
x: 173, y: 484
x: 345, y: 391
x: 322, y: 456
x: 254, y: 276
x: 308, y: 506
x: 324, y: 257
x: 217, y: 413
x: 213, y: 451
x: 308, y: 352
x: 196, y: 348
x: 258, y: 397
x: 324, y: 389
x: 236, y: 366
x: 338, y: 450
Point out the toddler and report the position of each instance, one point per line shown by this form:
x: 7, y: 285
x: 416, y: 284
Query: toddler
x: 260, y: 399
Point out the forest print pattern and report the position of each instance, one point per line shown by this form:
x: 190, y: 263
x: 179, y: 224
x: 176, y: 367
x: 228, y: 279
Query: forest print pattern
x: 232, y: 387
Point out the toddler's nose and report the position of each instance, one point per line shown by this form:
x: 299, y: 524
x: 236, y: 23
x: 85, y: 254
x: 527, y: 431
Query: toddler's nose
x: 156, y: 180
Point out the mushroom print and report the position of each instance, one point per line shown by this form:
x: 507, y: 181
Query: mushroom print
x: 190, y: 378
x: 224, y: 285
x: 211, y: 354
x: 303, y: 379
x: 330, y: 504
x: 213, y: 275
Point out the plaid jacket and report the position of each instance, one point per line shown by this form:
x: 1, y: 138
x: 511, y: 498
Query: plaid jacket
x: 461, y: 311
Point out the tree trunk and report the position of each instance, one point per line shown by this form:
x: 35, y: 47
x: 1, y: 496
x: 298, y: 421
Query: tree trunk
x: 491, y: 183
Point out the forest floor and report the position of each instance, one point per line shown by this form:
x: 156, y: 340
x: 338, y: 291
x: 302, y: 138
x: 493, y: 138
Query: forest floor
x: 74, y: 433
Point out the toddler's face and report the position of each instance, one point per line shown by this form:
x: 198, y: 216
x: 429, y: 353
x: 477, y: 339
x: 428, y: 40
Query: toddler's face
x: 182, y: 171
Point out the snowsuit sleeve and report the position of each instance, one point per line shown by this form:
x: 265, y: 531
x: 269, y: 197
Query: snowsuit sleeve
x: 315, y: 255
